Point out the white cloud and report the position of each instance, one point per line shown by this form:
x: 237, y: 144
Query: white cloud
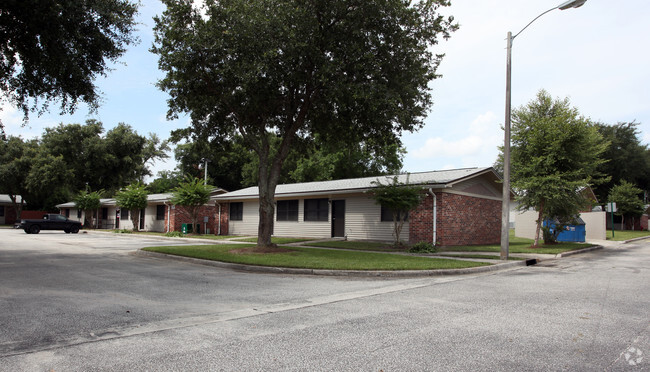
x: 12, y: 120
x: 483, y: 137
x: 438, y: 146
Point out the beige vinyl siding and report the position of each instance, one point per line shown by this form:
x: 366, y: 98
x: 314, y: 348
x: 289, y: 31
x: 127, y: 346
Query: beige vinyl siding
x: 302, y: 228
x: 126, y: 224
x: 250, y: 220
x: 363, y: 221
x: 150, y: 221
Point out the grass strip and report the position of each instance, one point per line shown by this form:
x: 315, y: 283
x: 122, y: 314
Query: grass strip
x: 481, y: 256
x: 277, y: 240
x: 314, y: 258
x: 520, y: 245
x: 621, y: 235
x: 361, y: 246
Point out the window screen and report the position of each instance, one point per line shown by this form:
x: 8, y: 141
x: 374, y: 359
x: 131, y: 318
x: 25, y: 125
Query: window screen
x: 236, y: 211
x: 316, y: 209
x: 287, y: 210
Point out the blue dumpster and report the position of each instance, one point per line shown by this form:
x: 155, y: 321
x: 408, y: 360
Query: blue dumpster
x: 575, y: 232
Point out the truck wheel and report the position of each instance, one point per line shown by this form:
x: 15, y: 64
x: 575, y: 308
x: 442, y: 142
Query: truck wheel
x: 35, y: 229
x: 27, y: 231
x: 67, y: 231
x: 74, y: 229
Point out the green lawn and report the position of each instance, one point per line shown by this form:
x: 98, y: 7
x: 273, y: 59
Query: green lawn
x: 360, y: 246
x: 626, y: 234
x: 517, y: 245
x: 314, y: 258
x: 276, y: 240
x: 482, y: 256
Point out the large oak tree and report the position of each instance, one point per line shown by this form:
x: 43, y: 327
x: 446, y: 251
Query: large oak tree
x: 350, y: 71
x: 52, y: 50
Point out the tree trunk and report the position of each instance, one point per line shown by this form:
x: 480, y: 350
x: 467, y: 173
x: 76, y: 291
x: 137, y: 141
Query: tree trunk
x: 17, y: 206
x: 539, y: 224
x: 136, y: 222
x: 270, y: 167
x: 194, y: 216
x: 267, y: 184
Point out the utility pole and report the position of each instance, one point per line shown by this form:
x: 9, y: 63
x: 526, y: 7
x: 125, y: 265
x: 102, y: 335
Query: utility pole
x: 505, y: 202
x: 205, y: 162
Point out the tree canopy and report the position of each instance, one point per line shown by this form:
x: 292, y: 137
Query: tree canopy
x: 133, y: 198
x: 192, y: 194
x: 555, y: 152
x: 234, y: 166
x: 73, y: 157
x: 350, y: 71
x: 15, y: 165
x: 627, y: 159
x: 89, y: 202
x: 628, y: 202
x: 52, y: 50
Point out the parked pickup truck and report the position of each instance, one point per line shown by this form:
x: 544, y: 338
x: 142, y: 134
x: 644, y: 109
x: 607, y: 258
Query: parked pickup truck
x: 50, y: 222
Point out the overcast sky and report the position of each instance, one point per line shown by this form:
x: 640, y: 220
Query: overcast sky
x: 597, y: 55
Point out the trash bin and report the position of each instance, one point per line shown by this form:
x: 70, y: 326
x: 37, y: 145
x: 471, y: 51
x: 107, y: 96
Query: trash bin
x: 575, y: 232
x: 186, y: 228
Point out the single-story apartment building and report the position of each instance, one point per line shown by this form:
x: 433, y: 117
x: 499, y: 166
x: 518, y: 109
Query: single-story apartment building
x: 458, y: 207
x: 160, y: 215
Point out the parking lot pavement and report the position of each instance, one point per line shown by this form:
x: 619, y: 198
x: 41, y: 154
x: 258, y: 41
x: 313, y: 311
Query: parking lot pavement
x: 81, y: 303
x: 82, y: 243
x: 60, y: 289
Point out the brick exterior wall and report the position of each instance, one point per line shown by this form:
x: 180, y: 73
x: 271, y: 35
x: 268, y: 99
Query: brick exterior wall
x: 421, y: 220
x: 10, y: 215
x: 461, y: 220
x: 178, y: 215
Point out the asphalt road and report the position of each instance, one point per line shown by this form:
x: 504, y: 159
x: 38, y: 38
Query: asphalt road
x: 85, y: 302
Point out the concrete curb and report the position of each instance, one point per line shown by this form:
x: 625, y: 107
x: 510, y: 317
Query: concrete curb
x: 579, y: 251
x: 348, y: 273
x: 635, y: 239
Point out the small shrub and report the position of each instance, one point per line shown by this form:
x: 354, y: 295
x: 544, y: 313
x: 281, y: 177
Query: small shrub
x: 175, y: 234
x: 423, y: 247
x: 123, y: 231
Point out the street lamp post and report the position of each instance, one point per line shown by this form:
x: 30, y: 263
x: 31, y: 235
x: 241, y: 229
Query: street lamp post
x: 505, y: 205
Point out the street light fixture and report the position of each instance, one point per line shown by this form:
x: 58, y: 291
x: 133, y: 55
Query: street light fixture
x: 505, y: 205
x: 205, y: 162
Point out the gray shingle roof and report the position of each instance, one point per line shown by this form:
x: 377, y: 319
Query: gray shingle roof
x: 431, y: 179
x: 151, y: 198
